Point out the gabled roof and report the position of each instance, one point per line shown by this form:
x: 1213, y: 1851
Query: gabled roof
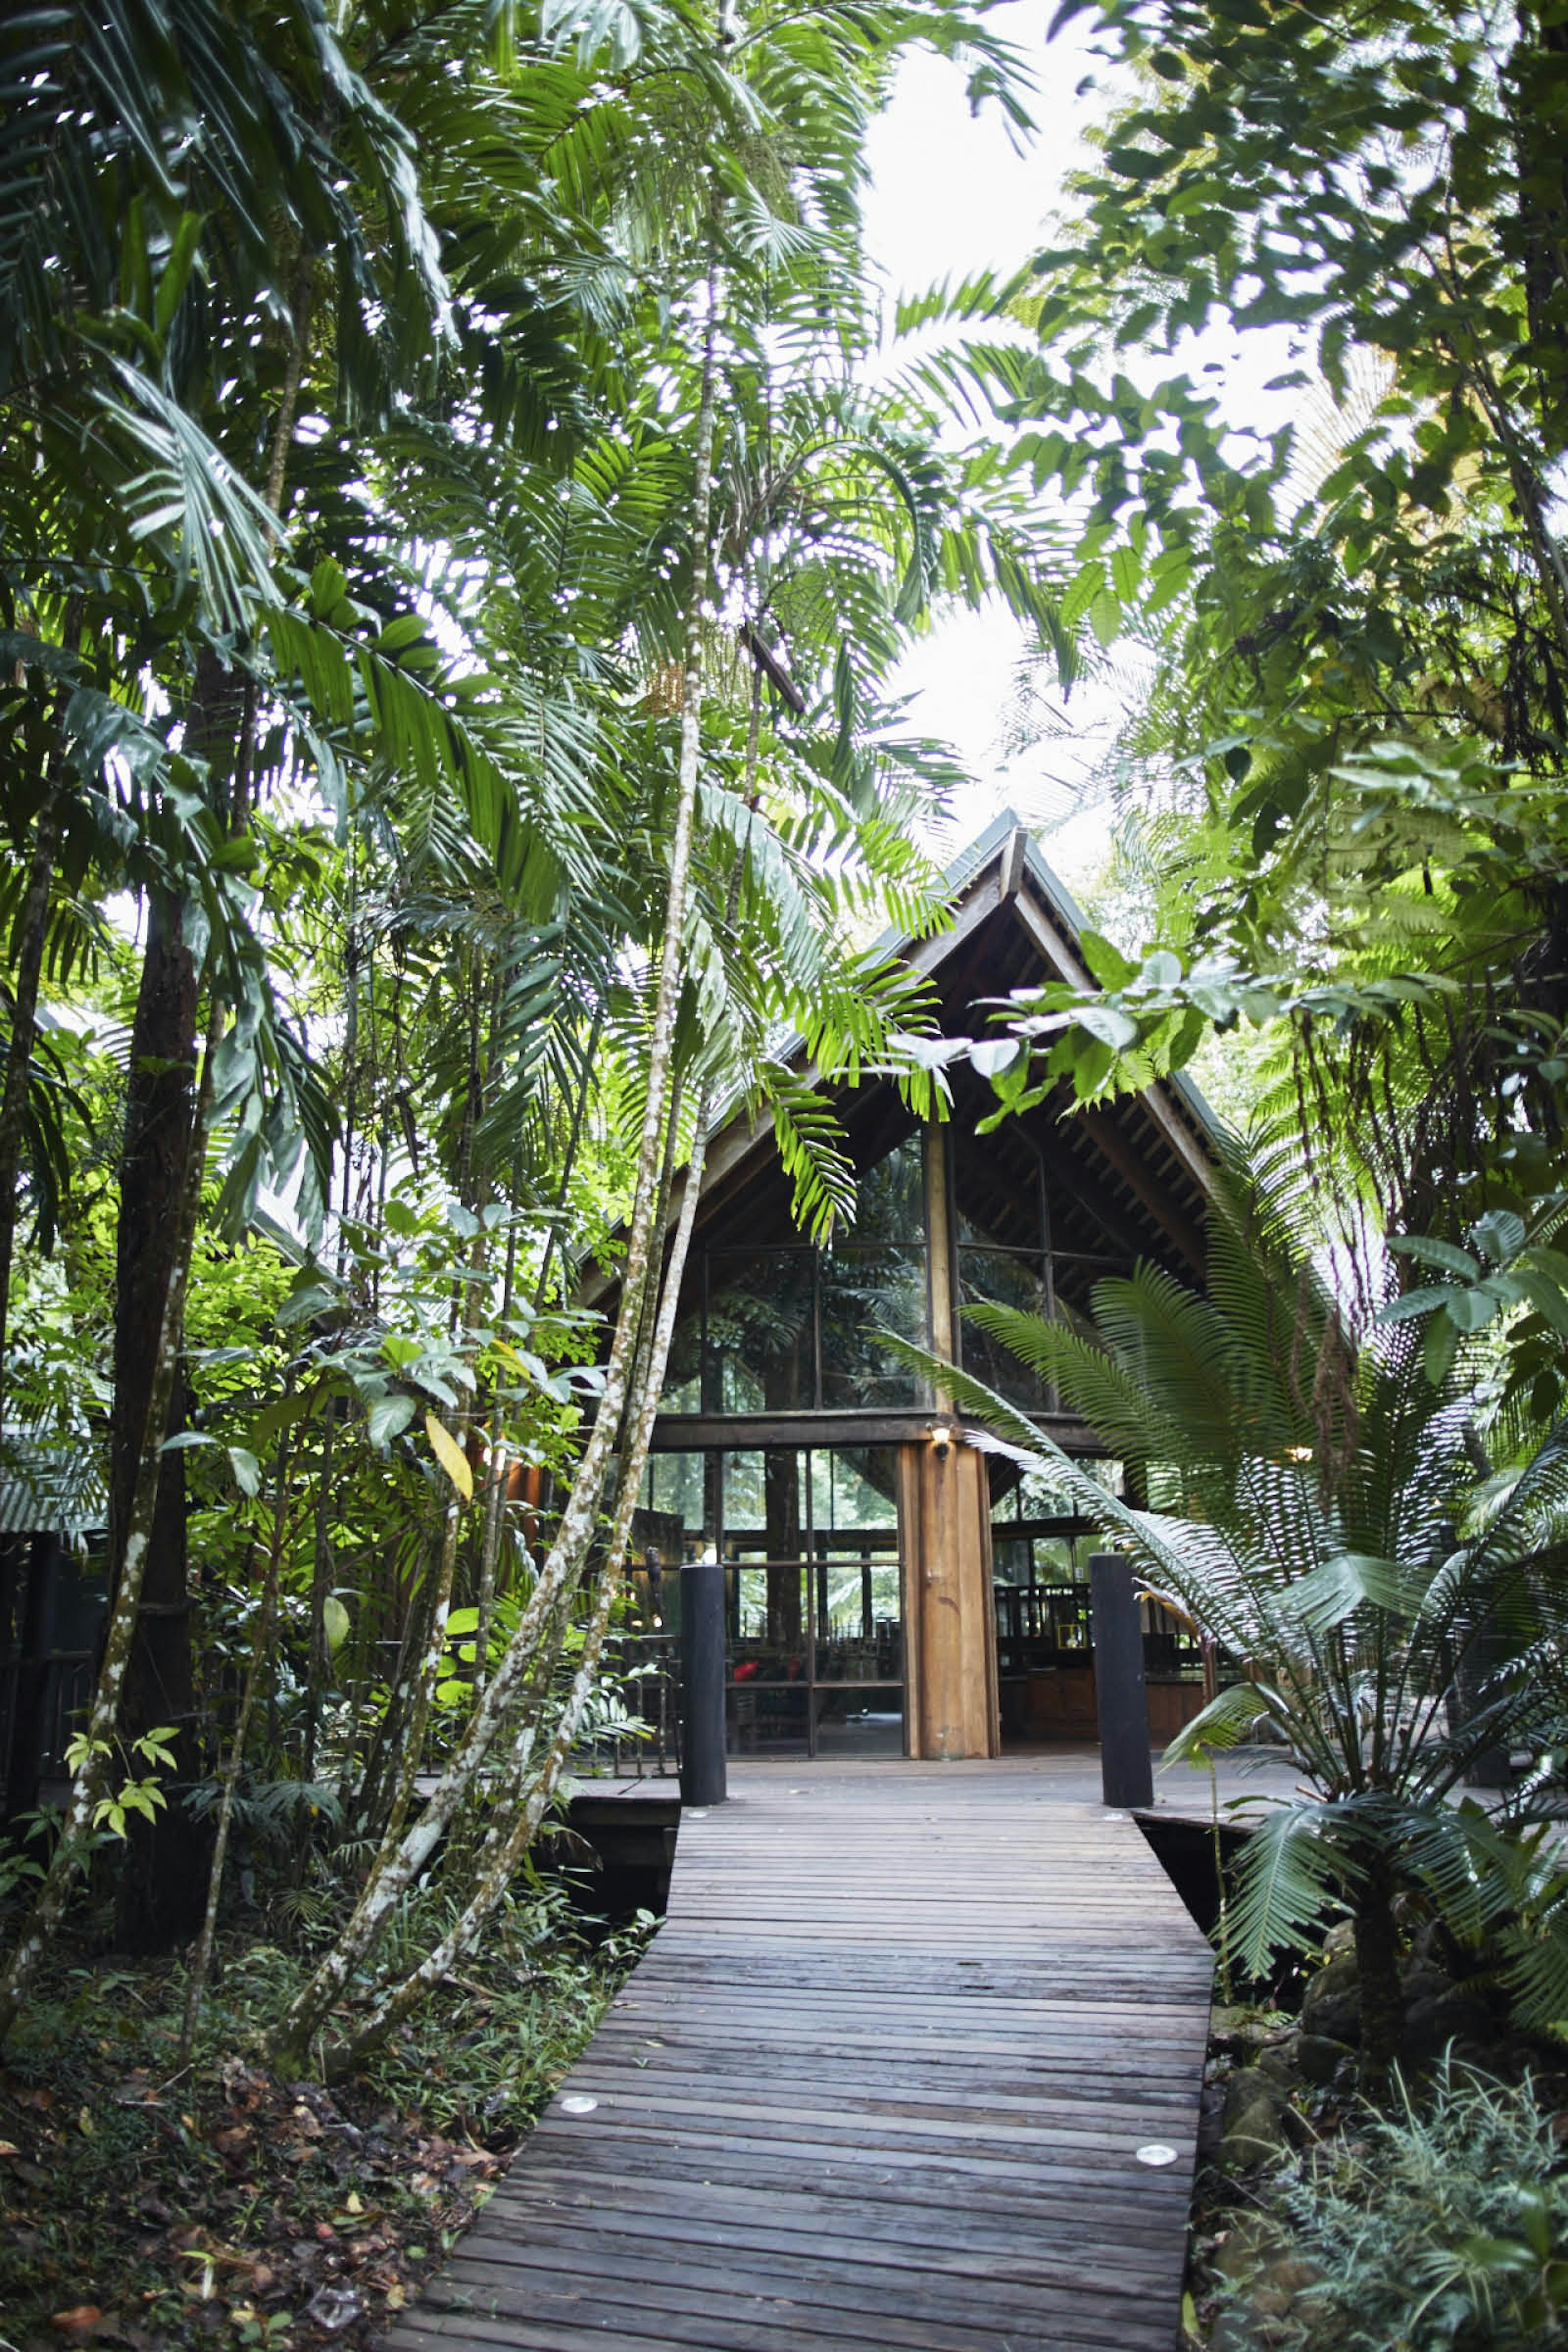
x: 1136, y: 1168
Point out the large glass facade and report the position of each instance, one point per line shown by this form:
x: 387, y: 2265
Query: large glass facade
x: 814, y: 1590
x: 1002, y: 1239
x: 791, y: 1329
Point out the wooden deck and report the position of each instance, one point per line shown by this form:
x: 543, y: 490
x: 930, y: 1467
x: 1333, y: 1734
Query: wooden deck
x: 880, y: 2082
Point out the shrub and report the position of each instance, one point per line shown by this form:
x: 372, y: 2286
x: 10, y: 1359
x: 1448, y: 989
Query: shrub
x: 1438, y: 2229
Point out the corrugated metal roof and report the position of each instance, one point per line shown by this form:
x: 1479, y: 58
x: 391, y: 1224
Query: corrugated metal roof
x: 49, y: 1484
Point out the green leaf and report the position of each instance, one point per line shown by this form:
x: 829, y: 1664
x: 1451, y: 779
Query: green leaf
x: 1105, y: 961
x: 1414, y: 1303
x: 1442, y: 1346
x: 1110, y: 1025
x: 388, y: 1417
x: 991, y: 1055
x: 1436, y: 1253
x: 246, y: 1469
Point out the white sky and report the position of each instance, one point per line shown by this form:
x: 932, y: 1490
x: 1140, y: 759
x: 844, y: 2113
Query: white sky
x: 949, y: 198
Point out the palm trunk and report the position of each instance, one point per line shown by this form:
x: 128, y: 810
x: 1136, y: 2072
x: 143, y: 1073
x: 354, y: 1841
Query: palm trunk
x: 158, y: 1895
x: 321, y: 1586
x: 394, y: 1873
x: 1377, y: 1973
x: 73, y: 1844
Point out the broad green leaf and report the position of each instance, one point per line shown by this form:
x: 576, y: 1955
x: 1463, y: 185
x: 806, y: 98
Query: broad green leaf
x: 246, y: 1469
x: 990, y: 1056
x: 388, y: 1417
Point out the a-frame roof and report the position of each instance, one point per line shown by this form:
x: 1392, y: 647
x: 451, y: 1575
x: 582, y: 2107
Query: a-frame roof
x: 1131, y: 1173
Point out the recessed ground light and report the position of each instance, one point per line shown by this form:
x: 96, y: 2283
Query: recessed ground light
x: 577, y: 2103
x: 1156, y: 2153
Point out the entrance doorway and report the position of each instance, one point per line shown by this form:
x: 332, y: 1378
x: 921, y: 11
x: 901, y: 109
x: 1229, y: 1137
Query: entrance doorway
x: 814, y: 1590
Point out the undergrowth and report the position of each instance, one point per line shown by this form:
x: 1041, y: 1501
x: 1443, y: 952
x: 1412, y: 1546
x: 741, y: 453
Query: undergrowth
x: 225, y: 2208
x: 1441, y: 2227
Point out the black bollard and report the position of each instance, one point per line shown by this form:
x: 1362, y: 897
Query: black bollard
x: 702, y: 1780
x: 1126, y: 1774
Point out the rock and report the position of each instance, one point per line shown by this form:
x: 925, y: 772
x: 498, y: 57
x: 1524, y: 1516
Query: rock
x: 1340, y: 1940
x: 1320, y: 2057
x: 1333, y: 2006
x: 1424, y: 1982
x: 1280, y: 2286
x: 1247, y: 2241
x: 1254, y: 2121
x: 1456, y: 2015
x: 1237, y: 2030
x: 1279, y: 2062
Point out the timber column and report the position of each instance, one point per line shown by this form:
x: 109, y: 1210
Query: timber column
x: 944, y: 1514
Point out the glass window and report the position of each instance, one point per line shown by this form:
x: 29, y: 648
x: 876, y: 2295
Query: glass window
x: 889, y: 1199
x: 1004, y: 1278
x: 865, y: 1291
x: 815, y: 1599
x: 762, y: 1331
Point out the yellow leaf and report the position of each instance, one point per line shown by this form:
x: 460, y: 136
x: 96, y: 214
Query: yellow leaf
x: 450, y: 1456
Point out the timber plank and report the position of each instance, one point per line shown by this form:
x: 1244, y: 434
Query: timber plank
x: 878, y: 2085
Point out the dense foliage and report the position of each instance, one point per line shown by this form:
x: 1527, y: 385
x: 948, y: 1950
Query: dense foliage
x: 449, y: 570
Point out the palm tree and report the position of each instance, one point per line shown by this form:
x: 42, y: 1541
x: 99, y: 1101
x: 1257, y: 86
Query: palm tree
x: 1325, y: 1517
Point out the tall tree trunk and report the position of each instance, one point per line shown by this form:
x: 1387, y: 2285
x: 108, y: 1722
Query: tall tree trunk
x: 160, y: 1893
x: 158, y: 1899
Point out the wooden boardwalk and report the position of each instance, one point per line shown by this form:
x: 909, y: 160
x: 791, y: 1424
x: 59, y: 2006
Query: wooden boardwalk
x: 880, y: 2082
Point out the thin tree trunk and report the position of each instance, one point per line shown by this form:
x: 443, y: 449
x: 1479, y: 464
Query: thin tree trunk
x: 73, y: 1844
x: 391, y: 1876
x: 260, y: 1649
x: 30, y: 934
x: 526, y: 1802
x: 320, y: 1586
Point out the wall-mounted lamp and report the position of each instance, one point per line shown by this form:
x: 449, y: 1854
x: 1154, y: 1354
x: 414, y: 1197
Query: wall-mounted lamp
x: 942, y: 1441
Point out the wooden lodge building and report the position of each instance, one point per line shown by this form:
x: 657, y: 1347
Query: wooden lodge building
x: 891, y: 1589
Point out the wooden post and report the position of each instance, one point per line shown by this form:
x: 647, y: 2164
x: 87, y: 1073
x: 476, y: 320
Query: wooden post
x: 949, y: 1606
x: 954, y: 1697
x: 1126, y: 1774
x: 702, y: 1772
